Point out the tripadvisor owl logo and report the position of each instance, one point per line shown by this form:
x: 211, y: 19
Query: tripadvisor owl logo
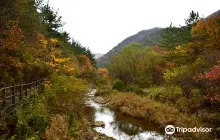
x: 169, y: 129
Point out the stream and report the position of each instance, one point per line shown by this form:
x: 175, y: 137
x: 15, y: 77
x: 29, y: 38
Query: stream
x: 120, y: 126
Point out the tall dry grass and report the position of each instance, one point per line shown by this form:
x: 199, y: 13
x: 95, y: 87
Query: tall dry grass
x: 58, y: 129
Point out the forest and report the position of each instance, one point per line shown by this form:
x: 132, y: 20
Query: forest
x: 33, y: 45
x: 175, y: 82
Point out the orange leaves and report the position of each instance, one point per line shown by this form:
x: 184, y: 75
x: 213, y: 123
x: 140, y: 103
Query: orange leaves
x: 8, y: 61
x: 208, y: 30
x: 157, y: 49
x: 190, y: 44
x: 85, y: 62
x: 103, y: 72
x: 12, y: 38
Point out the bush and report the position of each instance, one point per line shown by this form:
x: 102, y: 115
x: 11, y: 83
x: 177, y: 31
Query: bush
x: 196, y: 98
x: 133, y: 105
x: 103, y: 91
x: 134, y: 88
x: 164, y: 93
x: 183, y: 104
x: 102, y: 81
x: 155, y: 93
x: 119, y: 85
x: 32, y: 117
x: 64, y: 93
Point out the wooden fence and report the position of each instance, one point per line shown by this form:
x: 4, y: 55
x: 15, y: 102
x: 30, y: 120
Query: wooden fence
x: 12, y: 95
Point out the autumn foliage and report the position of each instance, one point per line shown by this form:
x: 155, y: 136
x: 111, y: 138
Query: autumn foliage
x: 208, y: 30
x: 12, y: 37
x: 103, y: 72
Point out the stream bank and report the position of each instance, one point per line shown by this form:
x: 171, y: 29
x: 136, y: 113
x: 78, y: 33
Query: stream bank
x: 118, y: 125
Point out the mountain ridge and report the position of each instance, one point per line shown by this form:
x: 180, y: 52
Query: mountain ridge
x: 147, y: 37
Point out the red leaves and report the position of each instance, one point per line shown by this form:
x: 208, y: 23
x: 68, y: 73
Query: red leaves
x: 213, y: 74
x: 212, y: 83
x: 214, y: 98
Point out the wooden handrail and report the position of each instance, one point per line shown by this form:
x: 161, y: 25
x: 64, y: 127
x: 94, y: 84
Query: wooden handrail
x: 17, y: 93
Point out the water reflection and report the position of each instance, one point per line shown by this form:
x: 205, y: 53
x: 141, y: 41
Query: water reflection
x: 122, y: 127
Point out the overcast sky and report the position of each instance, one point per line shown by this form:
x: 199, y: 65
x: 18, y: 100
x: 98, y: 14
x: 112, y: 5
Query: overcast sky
x: 102, y: 24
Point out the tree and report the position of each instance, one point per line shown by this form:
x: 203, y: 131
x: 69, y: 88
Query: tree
x: 207, y: 32
x: 173, y: 36
x: 169, y: 37
x: 103, y: 72
x: 136, y: 65
x: 192, y: 19
x: 51, y: 20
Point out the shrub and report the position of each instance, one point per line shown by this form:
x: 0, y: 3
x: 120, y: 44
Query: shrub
x: 102, y: 81
x: 164, y: 93
x: 183, y: 104
x: 133, y: 105
x: 64, y: 93
x: 134, y: 88
x: 155, y: 93
x: 196, y: 98
x: 32, y: 117
x: 119, y: 85
x: 103, y: 91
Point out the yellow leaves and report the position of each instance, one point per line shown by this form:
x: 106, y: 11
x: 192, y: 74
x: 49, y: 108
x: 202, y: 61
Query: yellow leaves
x: 61, y: 60
x: 53, y: 41
x: 103, y: 72
x: 42, y: 40
x: 178, y: 50
x: 57, y: 59
x: 47, y: 84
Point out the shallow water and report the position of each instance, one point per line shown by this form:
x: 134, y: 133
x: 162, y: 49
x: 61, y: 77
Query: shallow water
x: 119, y: 126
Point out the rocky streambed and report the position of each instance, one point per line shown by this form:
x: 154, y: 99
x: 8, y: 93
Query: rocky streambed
x: 116, y: 125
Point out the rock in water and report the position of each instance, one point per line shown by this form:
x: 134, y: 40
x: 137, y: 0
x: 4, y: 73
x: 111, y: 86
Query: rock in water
x: 99, y: 124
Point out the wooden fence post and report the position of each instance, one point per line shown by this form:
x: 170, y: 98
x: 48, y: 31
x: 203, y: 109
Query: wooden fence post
x: 38, y: 85
x: 13, y: 95
x: 3, y: 98
x: 21, y: 94
x: 26, y: 90
x: 42, y: 85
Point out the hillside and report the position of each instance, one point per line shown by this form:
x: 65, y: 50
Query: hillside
x: 214, y: 14
x: 146, y: 37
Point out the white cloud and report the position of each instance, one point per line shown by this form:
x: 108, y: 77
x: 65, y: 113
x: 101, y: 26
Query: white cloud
x: 102, y: 24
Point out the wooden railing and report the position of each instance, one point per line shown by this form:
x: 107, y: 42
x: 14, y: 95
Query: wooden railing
x: 11, y: 96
